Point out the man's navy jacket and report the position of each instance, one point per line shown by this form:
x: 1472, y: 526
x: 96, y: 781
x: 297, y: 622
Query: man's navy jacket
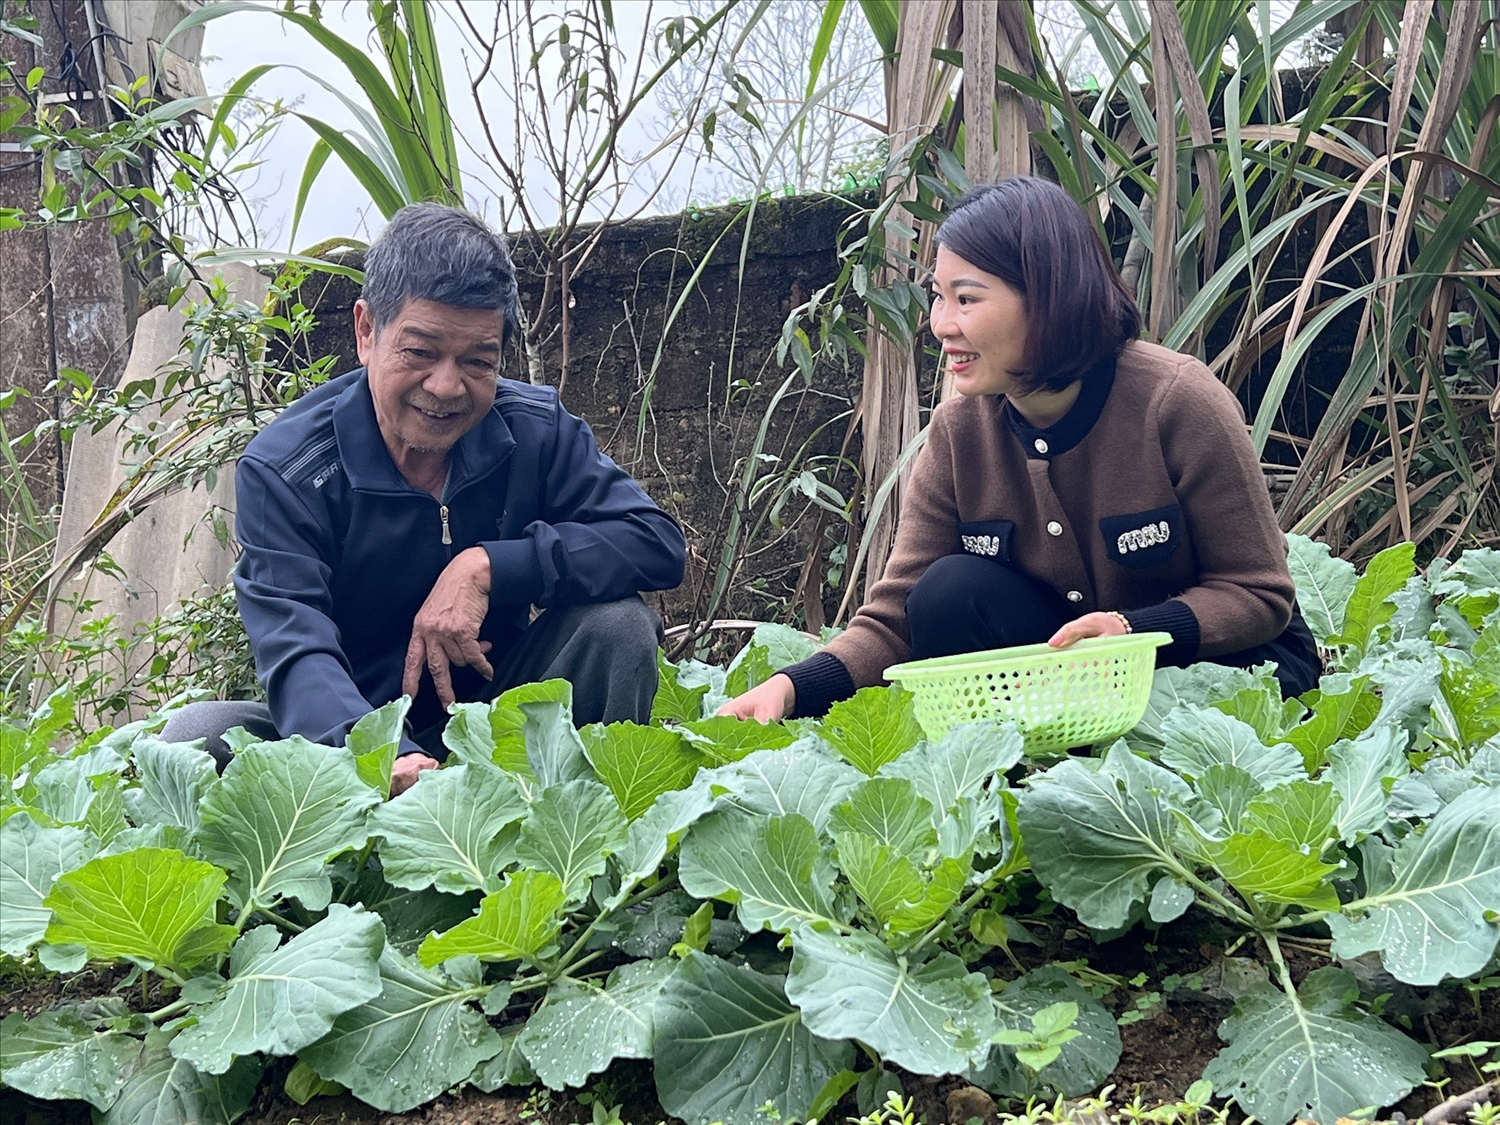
x: 340, y: 551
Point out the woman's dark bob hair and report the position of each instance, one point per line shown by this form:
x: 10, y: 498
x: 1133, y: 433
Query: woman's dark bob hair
x: 1029, y: 233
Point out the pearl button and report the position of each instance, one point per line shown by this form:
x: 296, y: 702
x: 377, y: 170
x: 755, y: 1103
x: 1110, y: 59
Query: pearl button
x: 1075, y: 596
x: 1041, y: 446
x: 1054, y: 528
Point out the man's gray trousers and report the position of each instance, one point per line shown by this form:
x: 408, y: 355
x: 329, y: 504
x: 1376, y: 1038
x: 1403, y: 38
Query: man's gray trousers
x: 606, y: 651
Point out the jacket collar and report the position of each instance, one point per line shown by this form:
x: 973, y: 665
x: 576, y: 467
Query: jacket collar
x: 1074, y: 426
x: 367, y: 463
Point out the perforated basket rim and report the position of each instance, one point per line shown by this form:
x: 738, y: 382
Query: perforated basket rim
x: 1021, y: 656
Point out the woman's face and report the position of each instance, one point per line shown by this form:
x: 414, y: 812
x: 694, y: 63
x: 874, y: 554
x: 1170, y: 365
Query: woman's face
x: 981, y: 323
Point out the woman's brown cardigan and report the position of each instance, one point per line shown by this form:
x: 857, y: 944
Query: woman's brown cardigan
x: 1146, y: 498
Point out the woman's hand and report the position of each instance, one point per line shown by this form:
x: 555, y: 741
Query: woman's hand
x: 1089, y: 625
x: 772, y: 700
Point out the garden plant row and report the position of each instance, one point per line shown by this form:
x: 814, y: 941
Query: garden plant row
x: 772, y: 914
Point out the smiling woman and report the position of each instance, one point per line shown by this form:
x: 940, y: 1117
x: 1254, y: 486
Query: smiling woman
x: 1084, y: 483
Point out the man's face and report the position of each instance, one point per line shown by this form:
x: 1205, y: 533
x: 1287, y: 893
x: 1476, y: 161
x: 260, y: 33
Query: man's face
x: 432, y: 372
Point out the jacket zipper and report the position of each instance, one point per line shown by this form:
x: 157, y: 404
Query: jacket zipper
x: 442, y: 500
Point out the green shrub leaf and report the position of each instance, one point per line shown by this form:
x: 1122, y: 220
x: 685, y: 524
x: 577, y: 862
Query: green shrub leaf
x: 31, y: 859
x: 1228, y: 790
x: 1259, y: 865
x: 455, y: 829
x: 374, y: 741
x: 570, y: 830
x: 1170, y: 898
x: 519, y: 921
x: 939, y: 893
x: 803, y: 778
x: 651, y: 836
x: 164, y: 1090
x: 1336, y: 715
x: 772, y: 868
x: 1301, y: 814
x: 724, y: 738
x: 875, y: 726
x: 409, y: 916
x: 553, y: 747
x: 1324, y: 585
x: 1436, y: 911
x: 932, y: 1018
x: 728, y: 1043
x: 494, y: 733
x: 884, y: 879
x: 889, y: 811
x: 141, y: 904
x: 280, y: 998
x: 1085, y: 1061
x: 174, y: 779
x: 508, y: 1067
x: 638, y: 763
x: 959, y: 763
x: 1197, y: 740
x: 1260, y: 707
x: 1197, y: 685
x: 1369, y: 606
x: 1095, y: 837
x: 1363, y: 772
x: 281, y: 811
x: 675, y: 702
x: 69, y: 1052
x: 581, y: 1028
x: 1314, y: 1056
x: 414, y: 1040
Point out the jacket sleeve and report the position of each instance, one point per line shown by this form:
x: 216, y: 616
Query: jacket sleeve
x: 926, y: 530
x: 282, y: 584
x: 599, y: 538
x: 1244, y: 592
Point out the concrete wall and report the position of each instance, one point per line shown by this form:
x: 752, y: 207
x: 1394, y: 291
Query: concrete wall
x: 168, y: 552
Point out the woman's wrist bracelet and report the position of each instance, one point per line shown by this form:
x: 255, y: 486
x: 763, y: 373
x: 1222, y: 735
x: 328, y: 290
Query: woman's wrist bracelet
x: 1125, y: 621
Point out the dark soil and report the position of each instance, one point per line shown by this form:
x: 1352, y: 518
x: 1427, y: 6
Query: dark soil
x: 30, y: 995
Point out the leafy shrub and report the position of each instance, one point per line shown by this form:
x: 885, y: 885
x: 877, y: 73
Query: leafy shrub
x: 747, y: 905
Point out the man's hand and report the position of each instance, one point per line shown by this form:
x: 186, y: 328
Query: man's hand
x: 772, y: 700
x: 404, y: 772
x: 1089, y: 625
x: 446, y: 629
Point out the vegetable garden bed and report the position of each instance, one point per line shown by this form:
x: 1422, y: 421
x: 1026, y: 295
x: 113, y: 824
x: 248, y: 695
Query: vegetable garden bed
x: 1298, y: 902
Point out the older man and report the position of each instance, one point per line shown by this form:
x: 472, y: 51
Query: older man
x: 399, y: 522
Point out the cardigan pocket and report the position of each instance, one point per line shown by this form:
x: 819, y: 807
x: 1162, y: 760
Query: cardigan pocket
x: 1141, y: 540
x: 989, y: 539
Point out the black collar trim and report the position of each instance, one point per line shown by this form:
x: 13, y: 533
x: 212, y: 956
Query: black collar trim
x: 1074, y: 426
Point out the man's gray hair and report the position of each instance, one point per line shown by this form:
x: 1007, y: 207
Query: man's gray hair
x: 432, y: 252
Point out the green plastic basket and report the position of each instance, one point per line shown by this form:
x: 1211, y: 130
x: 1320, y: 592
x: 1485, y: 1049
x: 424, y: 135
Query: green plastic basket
x: 1094, y: 690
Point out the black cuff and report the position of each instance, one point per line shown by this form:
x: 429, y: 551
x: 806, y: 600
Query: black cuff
x: 820, y: 681
x: 1173, y: 617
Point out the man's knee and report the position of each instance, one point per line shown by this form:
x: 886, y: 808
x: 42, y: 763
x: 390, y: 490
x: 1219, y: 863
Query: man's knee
x: 209, y: 719
x: 628, y: 627
x: 610, y: 659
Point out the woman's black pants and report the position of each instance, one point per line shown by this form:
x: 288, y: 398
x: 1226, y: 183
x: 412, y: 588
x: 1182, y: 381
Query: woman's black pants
x: 964, y: 603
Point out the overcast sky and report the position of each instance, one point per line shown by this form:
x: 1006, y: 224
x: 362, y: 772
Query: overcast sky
x: 338, y: 206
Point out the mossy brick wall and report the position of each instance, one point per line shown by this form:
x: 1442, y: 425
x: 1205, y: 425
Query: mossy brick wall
x: 680, y: 406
